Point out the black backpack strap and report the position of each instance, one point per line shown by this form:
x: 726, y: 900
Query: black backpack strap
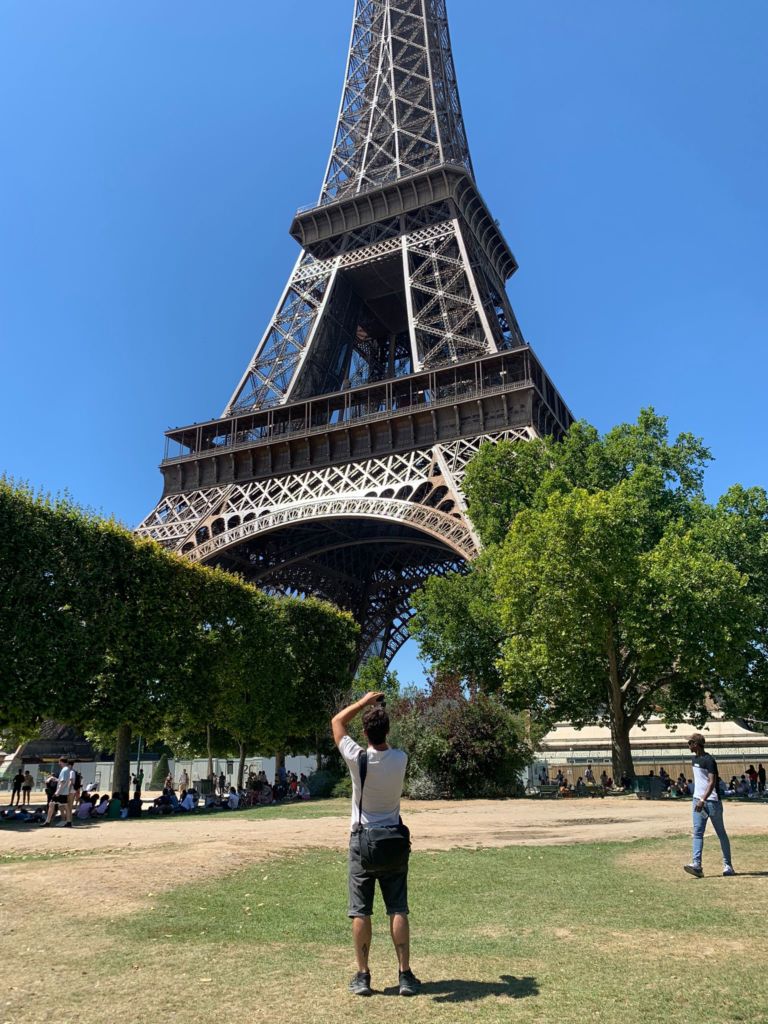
x: 362, y: 766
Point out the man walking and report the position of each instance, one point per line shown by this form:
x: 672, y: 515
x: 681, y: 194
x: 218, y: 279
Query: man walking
x: 380, y: 806
x: 707, y: 806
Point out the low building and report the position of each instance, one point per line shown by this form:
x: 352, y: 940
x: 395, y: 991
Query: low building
x: 655, y: 745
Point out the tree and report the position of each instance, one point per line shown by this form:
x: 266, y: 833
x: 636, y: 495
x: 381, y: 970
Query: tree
x: 54, y: 607
x: 612, y: 590
x: 458, y: 628
x: 600, y: 625
x: 113, y: 634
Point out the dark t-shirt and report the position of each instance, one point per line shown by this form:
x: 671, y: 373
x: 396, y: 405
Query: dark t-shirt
x: 17, y: 780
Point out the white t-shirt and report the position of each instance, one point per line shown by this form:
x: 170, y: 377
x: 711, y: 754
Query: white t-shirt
x: 704, y: 765
x: 383, y: 783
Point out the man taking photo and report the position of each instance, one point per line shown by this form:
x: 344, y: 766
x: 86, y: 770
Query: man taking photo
x: 379, y: 843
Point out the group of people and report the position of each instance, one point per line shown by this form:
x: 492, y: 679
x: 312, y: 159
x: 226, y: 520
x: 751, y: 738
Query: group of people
x: 21, y: 787
x: 289, y: 785
x: 751, y: 783
x: 188, y: 799
x: 583, y: 785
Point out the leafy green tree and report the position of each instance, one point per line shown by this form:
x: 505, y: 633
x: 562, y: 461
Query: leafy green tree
x: 458, y: 627
x: 373, y: 675
x: 601, y: 625
x: 610, y: 589
x: 53, y: 627
x: 114, y: 634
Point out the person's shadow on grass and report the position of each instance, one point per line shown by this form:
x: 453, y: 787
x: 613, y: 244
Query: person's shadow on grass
x: 461, y: 990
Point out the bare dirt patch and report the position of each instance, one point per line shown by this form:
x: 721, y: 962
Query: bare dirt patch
x: 134, y: 860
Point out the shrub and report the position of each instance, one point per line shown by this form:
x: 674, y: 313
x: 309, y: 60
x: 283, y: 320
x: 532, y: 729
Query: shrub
x: 321, y: 784
x: 420, y: 785
x: 458, y: 746
x: 159, y: 774
x: 343, y: 787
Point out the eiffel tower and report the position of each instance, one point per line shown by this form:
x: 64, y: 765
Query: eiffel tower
x: 393, y: 354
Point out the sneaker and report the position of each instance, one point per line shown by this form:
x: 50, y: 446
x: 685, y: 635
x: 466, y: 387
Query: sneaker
x: 409, y: 983
x: 361, y: 984
x: 728, y: 871
x: 694, y: 869
x: 67, y: 824
x: 60, y: 824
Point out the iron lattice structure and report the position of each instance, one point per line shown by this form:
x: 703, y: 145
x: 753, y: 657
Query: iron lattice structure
x: 393, y: 354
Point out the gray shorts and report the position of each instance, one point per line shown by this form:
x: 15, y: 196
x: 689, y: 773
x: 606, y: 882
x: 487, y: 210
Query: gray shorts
x: 362, y: 886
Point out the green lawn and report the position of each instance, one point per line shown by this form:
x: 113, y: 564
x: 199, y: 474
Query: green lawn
x: 552, y: 935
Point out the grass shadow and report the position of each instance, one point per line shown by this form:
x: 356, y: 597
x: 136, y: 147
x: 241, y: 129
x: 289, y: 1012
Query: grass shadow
x: 462, y: 990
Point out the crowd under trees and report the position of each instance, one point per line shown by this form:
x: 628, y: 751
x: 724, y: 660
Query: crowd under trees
x: 115, y: 635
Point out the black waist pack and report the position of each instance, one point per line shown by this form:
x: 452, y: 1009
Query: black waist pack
x: 384, y: 849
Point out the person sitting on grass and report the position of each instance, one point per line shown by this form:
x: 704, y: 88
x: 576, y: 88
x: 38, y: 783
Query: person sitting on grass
x: 187, y: 802
x: 565, y: 789
x: 134, y: 805
x: 233, y: 800
x: 101, y: 808
x: 303, y: 789
x: 115, y: 810
x: 84, y: 808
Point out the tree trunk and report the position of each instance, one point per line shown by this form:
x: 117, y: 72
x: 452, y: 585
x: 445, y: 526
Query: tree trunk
x: 121, y: 776
x: 621, y: 750
x: 279, y: 761
x: 241, y: 766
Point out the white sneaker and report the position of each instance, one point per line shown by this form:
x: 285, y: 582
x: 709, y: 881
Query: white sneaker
x: 728, y: 871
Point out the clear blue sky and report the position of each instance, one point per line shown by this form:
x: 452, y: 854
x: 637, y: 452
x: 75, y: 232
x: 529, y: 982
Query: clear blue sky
x: 151, y: 156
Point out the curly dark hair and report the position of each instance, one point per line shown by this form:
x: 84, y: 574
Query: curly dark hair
x: 376, y: 724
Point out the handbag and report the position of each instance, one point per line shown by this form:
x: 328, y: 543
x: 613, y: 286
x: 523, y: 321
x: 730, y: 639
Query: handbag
x: 384, y: 849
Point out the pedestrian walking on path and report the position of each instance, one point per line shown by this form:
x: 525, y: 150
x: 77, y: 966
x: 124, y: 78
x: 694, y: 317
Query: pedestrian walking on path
x: 707, y: 806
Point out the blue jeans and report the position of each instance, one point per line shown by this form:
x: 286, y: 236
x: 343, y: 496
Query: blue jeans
x: 713, y: 811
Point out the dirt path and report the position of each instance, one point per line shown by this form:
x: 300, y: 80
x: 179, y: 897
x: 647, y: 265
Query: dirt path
x: 132, y: 860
